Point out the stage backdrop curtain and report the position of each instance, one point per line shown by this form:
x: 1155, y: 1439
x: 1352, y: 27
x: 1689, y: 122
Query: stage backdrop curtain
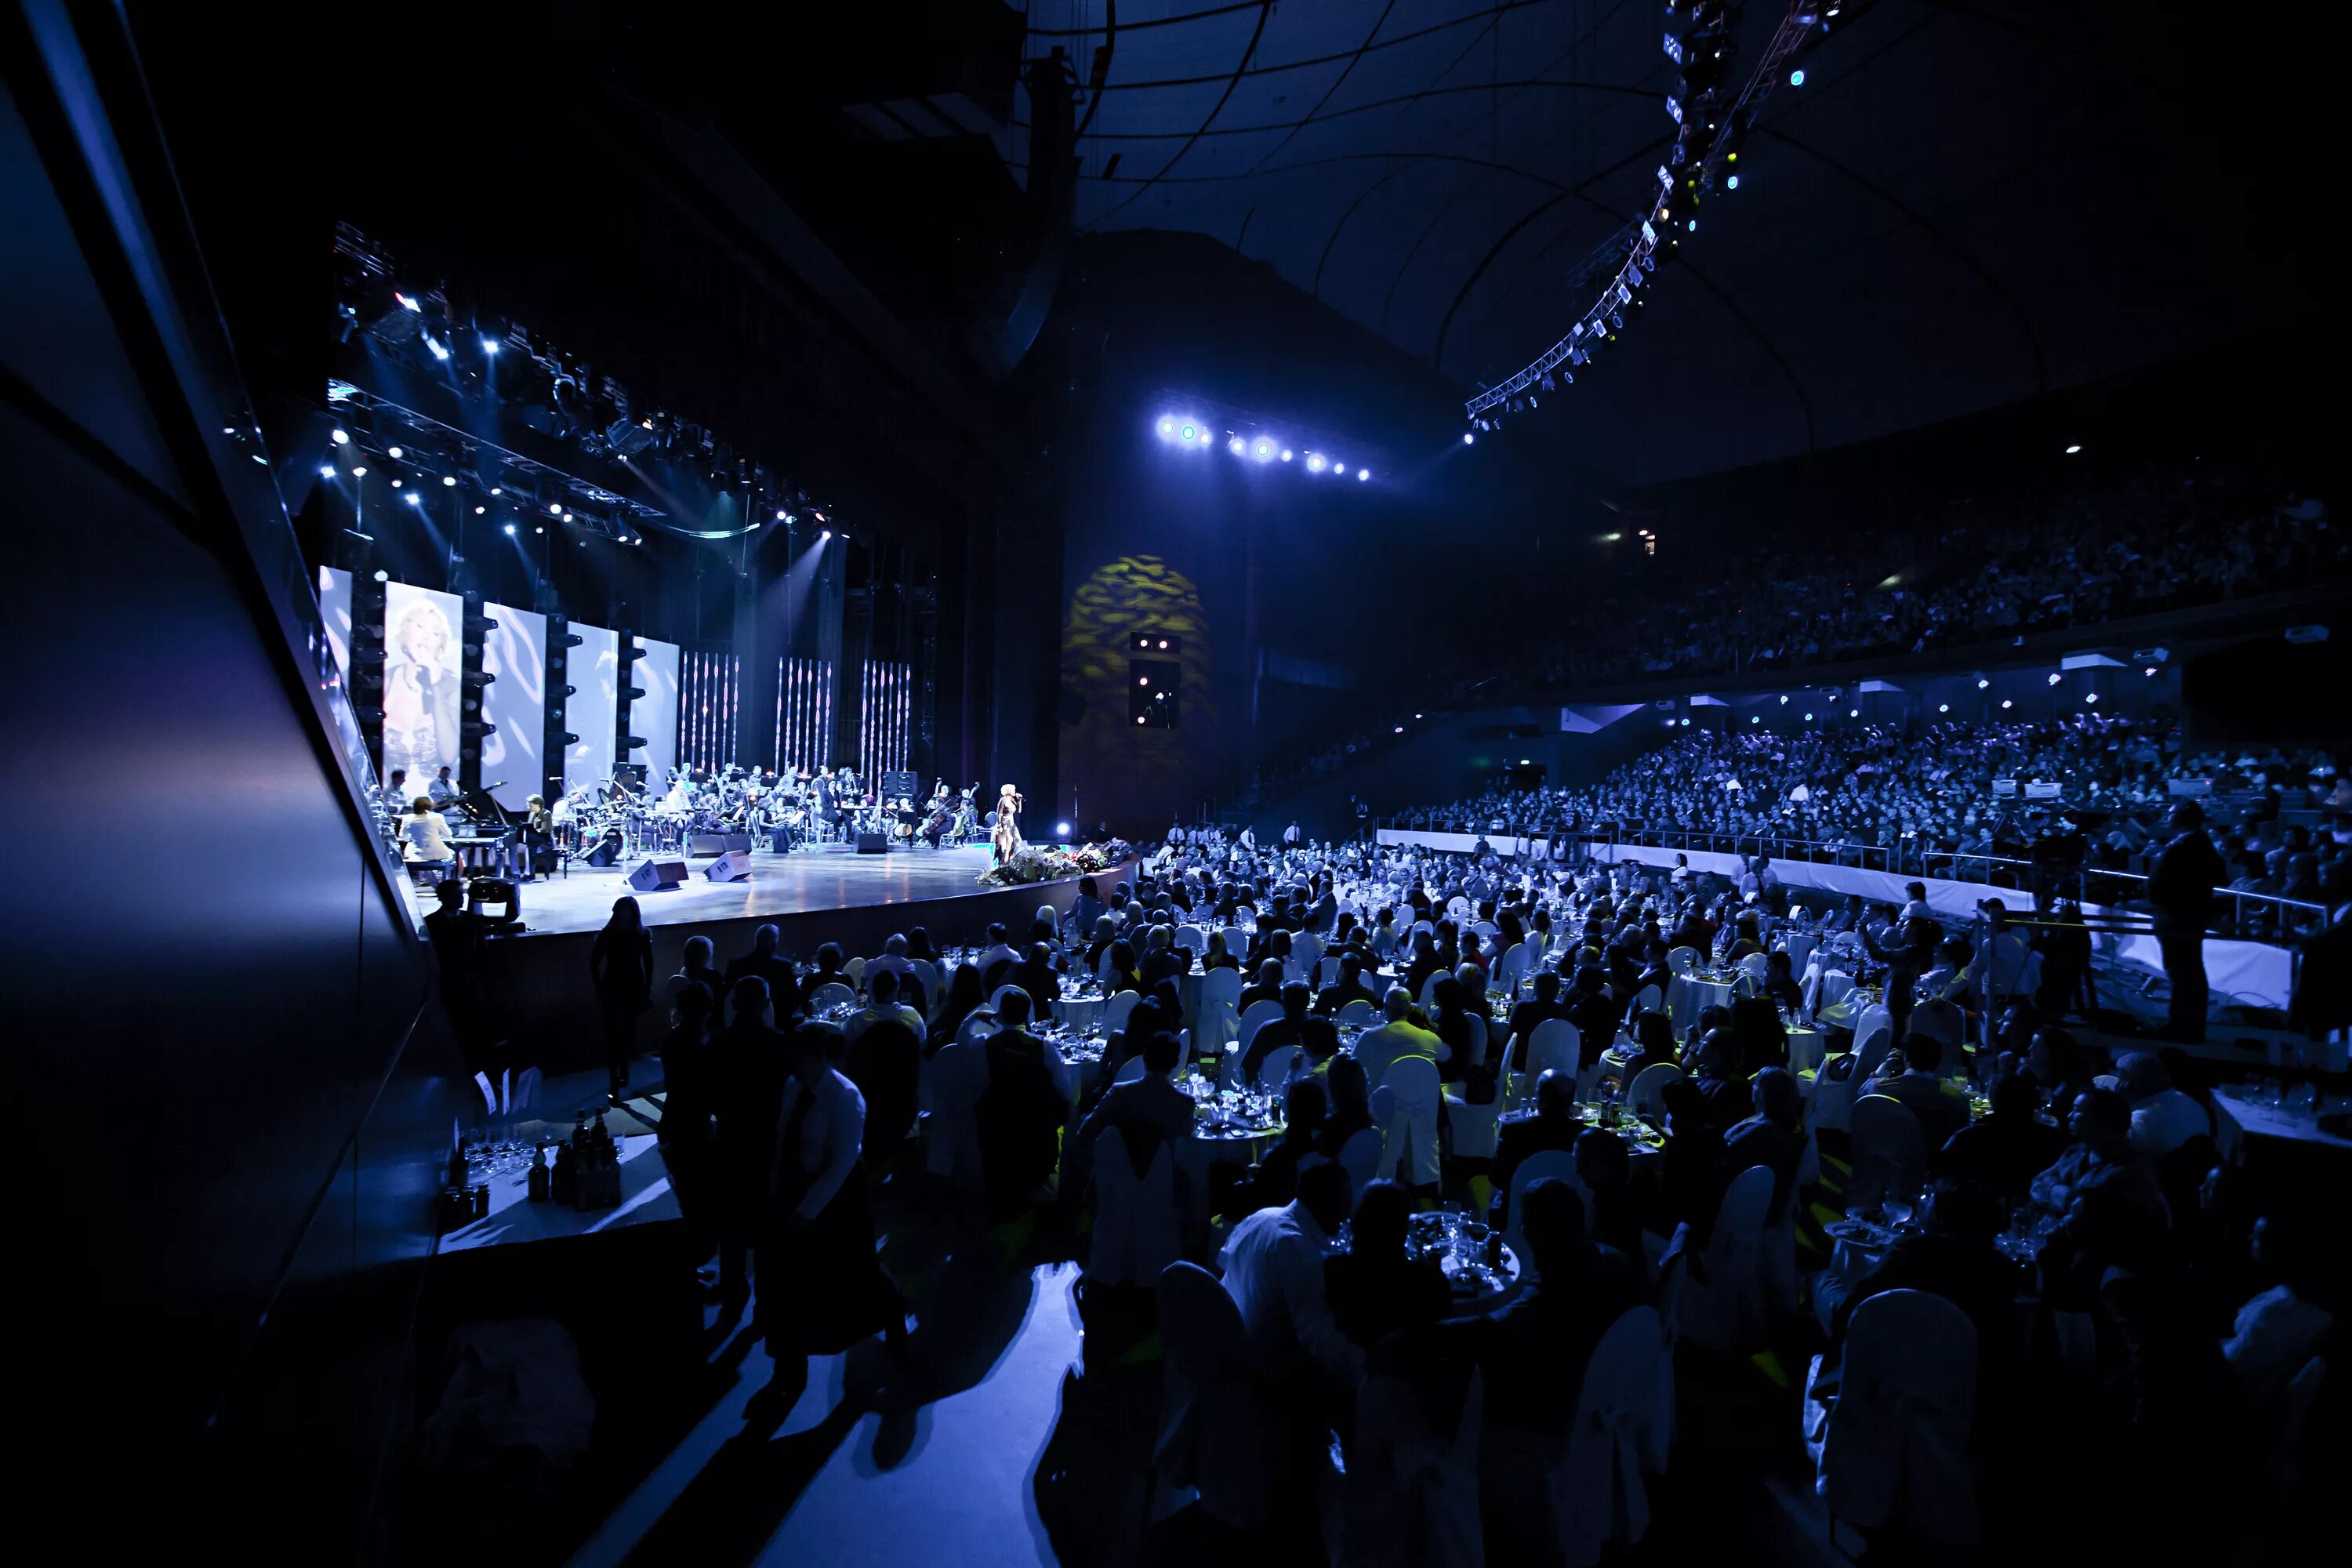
x: 514, y: 705
x: 653, y: 718
x: 2252, y: 974
x: 592, y: 712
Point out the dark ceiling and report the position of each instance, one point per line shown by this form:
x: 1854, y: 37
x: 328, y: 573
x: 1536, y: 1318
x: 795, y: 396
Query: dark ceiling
x: 1961, y: 207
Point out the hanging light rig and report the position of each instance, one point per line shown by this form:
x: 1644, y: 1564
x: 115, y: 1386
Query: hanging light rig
x: 1701, y: 39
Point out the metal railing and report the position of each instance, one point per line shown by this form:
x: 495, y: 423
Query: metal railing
x: 2258, y: 917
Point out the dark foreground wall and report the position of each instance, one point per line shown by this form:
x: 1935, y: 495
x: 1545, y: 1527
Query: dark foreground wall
x: 214, y: 1014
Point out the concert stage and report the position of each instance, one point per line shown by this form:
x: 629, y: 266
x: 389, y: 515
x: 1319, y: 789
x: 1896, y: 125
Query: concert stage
x: 825, y: 877
x: 535, y: 981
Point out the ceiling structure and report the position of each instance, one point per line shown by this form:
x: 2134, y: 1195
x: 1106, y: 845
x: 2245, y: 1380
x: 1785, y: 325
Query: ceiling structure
x: 1962, y: 205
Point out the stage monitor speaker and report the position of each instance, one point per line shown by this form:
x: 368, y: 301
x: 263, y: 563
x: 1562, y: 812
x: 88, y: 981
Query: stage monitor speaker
x: 658, y: 876
x: 702, y: 844
x: 736, y: 841
x: 873, y: 843
x: 735, y: 866
x: 608, y: 849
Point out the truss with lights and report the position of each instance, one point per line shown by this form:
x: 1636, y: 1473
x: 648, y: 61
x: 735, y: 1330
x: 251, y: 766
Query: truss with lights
x: 1198, y: 424
x: 1709, y: 137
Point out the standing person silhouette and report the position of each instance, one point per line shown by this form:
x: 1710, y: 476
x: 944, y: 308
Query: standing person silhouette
x: 1007, y: 833
x: 621, y: 966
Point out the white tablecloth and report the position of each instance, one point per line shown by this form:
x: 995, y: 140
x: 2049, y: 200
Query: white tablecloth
x: 1687, y: 996
x: 2248, y: 1118
x: 646, y: 1195
x: 1804, y: 1048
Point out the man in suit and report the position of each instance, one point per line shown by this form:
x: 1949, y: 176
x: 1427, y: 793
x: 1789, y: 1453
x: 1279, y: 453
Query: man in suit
x: 1151, y: 1108
x: 1554, y: 1126
x: 2181, y: 888
x: 1398, y: 1038
x: 1348, y: 987
x: 753, y: 1064
x: 775, y: 973
x: 1295, y: 1027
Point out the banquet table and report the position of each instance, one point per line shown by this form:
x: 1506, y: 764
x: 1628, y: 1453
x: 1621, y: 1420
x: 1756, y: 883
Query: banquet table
x: 646, y: 1197
x: 1804, y: 1048
x: 2238, y: 1116
x: 1457, y: 1243
x: 1688, y: 995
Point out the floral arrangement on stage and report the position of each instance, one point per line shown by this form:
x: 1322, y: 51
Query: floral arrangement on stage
x: 1038, y: 863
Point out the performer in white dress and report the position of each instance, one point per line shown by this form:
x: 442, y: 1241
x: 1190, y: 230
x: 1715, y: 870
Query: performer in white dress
x: 1007, y: 835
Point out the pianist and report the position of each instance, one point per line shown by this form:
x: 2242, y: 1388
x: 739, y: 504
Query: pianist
x: 424, y: 835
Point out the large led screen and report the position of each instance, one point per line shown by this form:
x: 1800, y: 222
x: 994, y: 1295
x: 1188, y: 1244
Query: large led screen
x: 421, y: 685
x: 653, y: 718
x: 514, y: 705
x: 593, y: 710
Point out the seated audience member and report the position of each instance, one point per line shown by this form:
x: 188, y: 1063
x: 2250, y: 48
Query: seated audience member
x: 893, y: 958
x: 2284, y: 1327
x: 699, y: 969
x: 1218, y: 956
x: 1295, y: 1027
x: 1654, y: 1042
x: 1541, y: 1008
x: 1950, y: 1255
x: 1035, y: 975
x: 1553, y: 1126
x: 1595, y: 1013
x: 882, y: 1003
x: 1604, y: 1163
x: 785, y: 996
x: 1350, y: 1104
x: 1305, y: 1108
x: 2055, y: 1064
x: 1911, y: 1077
x: 1268, y: 988
x: 1148, y: 1111
x: 1716, y: 1073
x: 1273, y: 1264
x: 998, y: 951
x: 2162, y: 1117
x: 1774, y: 1137
x: 1121, y: 976
x: 1374, y: 1288
x: 963, y: 998
x: 2005, y: 1150
x: 1534, y: 1348
x: 1781, y: 986
x: 1691, y: 1184
x: 1382, y: 1049
x: 2100, y: 1159
x: 1351, y: 986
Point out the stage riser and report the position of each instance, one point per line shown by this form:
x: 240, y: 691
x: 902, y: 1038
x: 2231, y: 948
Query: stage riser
x: 537, y: 985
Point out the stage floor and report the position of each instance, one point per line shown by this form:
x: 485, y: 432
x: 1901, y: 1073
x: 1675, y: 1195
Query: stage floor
x: 827, y: 877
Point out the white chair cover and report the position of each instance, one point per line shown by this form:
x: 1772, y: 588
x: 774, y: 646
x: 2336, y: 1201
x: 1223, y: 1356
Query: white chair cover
x: 1307, y: 951
x: 1214, y: 1438
x: 1778, y: 1264
x: 1256, y: 1017
x: 927, y: 973
x: 1890, y: 1153
x: 832, y: 994
x: 1128, y: 1070
x: 1872, y: 1042
x: 1648, y: 1090
x: 959, y: 1077
x: 1428, y: 997
x: 1836, y: 985
x: 1893, y: 1448
x: 1682, y: 959
x: 1115, y: 1011
x: 1648, y: 1000
x: 1219, y: 990
x: 1358, y: 1012
x: 1474, y: 1128
x: 996, y: 1002
x: 1725, y: 1311
x: 856, y: 969
x: 1754, y: 966
x: 977, y: 1027
x: 1413, y: 1494
x: 1457, y: 906
x: 1102, y: 968
x: 1515, y: 967
x: 1274, y: 1067
x: 1596, y: 1491
x: 1193, y: 939
x: 1800, y: 946
x: 1137, y: 1230
x: 1360, y: 1156
x: 1412, y: 1147
x: 1554, y: 1043
x: 1481, y: 1034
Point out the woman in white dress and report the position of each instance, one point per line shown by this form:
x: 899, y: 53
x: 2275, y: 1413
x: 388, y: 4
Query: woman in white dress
x: 1007, y: 833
